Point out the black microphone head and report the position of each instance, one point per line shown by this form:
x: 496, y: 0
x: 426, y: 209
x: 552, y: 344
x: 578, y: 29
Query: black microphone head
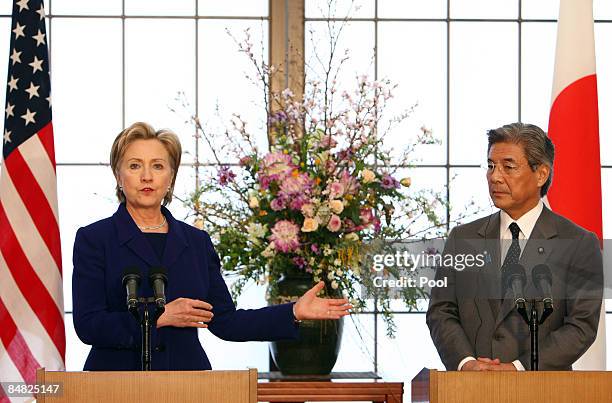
x: 158, y: 273
x: 541, y: 272
x: 131, y: 273
x: 513, y: 272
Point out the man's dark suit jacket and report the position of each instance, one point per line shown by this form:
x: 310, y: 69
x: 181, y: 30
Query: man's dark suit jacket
x: 465, y: 319
x: 101, y: 252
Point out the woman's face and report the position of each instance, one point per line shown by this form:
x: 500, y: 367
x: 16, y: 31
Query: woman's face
x: 145, y: 174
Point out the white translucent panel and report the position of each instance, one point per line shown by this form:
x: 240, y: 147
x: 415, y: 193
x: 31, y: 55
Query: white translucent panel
x: 602, y: 9
x: 603, y: 51
x: 80, y: 7
x: 469, y: 195
x: 412, y: 8
x: 160, y: 64
x: 401, y: 358
x: 422, y: 84
x: 6, y: 8
x: 228, y: 82
x: 606, y: 195
x: 85, y: 194
x: 5, y: 44
x: 183, y: 188
x: 537, y: 70
x: 86, y: 88
x: 76, y: 351
x: 339, y: 8
x: 608, y: 340
x: 234, y: 355
x: 540, y: 9
x: 355, y: 39
x: 483, y: 85
x: 357, y: 348
x: 242, y: 8
x: 484, y: 9
x: 160, y: 7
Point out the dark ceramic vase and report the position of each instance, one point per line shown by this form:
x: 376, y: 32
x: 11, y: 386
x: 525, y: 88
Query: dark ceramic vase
x: 316, y: 350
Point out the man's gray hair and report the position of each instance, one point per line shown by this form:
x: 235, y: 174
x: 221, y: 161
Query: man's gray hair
x: 538, y: 147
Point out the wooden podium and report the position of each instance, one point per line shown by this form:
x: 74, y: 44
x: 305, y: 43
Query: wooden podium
x: 151, y: 386
x: 512, y: 387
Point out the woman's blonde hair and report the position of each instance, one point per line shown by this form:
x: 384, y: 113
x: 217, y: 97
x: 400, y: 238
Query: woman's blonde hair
x: 144, y: 131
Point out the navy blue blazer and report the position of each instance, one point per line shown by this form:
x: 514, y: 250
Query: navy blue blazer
x: 101, y: 252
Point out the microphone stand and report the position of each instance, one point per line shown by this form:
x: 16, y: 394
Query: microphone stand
x: 534, y: 322
x: 145, y: 329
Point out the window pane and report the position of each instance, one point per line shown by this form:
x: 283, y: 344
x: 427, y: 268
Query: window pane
x: 402, y: 357
x: 160, y: 63
x: 5, y: 45
x: 422, y: 83
x: 540, y: 9
x: 603, y: 33
x: 412, y: 9
x: 484, y: 8
x: 6, y: 8
x: 80, y: 7
x: 339, y: 9
x: 537, y: 69
x: 469, y: 195
x: 85, y: 194
x: 219, y: 99
x: 602, y: 9
x: 86, y: 74
x: 76, y: 351
x: 483, y: 85
x: 357, y: 348
x: 606, y: 201
x: 242, y: 8
x: 159, y: 7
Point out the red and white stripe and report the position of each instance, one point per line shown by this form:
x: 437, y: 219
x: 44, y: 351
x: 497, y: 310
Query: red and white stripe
x: 574, y: 128
x: 31, y: 299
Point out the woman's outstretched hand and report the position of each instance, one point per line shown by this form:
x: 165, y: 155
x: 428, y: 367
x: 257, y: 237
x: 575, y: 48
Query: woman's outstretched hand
x: 309, y: 306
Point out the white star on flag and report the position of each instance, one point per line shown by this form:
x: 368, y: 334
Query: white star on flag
x: 29, y: 117
x: 13, y: 83
x: 36, y: 65
x: 7, y: 136
x: 23, y: 4
x: 33, y: 90
x: 15, y: 57
x: 49, y: 100
x: 19, y: 30
x: 41, y: 11
x: 40, y: 38
x: 9, y: 110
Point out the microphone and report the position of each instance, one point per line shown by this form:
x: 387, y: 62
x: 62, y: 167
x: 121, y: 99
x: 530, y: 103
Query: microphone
x: 542, y: 279
x: 516, y: 279
x: 158, y: 279
x: 131, y: 281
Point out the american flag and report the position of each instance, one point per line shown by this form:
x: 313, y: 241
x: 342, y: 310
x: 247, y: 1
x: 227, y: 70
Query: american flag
x: 31, y: 302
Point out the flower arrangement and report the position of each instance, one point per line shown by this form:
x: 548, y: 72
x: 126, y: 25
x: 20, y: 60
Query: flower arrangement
x: 326, y: 187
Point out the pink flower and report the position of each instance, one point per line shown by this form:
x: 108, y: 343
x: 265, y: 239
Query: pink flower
x: 336, y: 190
x: 278, y: 204
x: 285, y: 236
x: 366, y: 216
x: 246, y: 160
x: 349, y: 183
x: 277, y: 165
x: 296, y: 185
x: 334, y: 223
x: 225, y: 175
x: 389, y: 182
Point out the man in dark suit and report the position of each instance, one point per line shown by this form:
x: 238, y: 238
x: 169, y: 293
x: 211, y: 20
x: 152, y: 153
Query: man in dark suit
x: 473, y: 326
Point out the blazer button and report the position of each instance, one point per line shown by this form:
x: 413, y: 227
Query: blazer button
x: 160, y: 349
x: 498, y: 336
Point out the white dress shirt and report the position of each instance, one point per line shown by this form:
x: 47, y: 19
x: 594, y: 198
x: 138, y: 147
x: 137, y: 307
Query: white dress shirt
x: 526, y: 223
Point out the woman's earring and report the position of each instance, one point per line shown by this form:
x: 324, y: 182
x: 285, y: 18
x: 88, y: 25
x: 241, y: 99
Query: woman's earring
x: 120, y: 188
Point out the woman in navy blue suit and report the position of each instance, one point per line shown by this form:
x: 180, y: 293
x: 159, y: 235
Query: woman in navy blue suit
x: 143, y: 234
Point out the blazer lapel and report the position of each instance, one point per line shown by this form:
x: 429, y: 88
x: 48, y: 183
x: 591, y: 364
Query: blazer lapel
x: 536, y: 252
x: 130, y: 235
x: 489, y: 277
x: 176, y: 242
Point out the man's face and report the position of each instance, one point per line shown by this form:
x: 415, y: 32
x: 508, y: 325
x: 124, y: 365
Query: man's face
x: 513, y: 186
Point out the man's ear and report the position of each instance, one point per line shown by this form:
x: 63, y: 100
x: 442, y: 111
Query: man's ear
x: 543, y: 172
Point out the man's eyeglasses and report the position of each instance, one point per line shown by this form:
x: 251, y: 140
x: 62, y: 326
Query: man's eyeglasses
x: 506, y: 168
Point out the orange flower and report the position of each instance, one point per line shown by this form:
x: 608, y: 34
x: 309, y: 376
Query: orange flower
x: 295, y: 173
x: 263, y: 213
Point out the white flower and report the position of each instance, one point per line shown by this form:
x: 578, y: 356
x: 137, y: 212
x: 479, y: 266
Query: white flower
x: 327, y: 250
x: 338, y: 272
x: 330, y: 275
x: 253, y: 202
x: 337, y: 262
x: 334, y: 285
x: 256, y: 230
x: 351, y: 237
x: 269, y: 251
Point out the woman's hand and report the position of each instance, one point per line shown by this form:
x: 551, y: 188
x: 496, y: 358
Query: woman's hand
x: 186, y: 312
x: 309, y: 306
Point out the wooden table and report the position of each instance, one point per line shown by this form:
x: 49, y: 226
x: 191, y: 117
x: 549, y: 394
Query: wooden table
x: 336, y: 387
